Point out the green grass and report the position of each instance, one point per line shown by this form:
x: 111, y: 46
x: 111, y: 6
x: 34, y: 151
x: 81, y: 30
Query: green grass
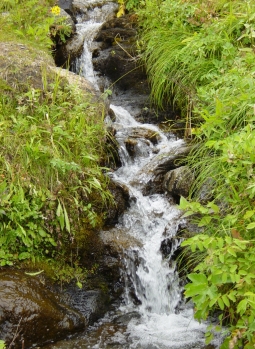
x: 53, y: 193
x: 201, y: 56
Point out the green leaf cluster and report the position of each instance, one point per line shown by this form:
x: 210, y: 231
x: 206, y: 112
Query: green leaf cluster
x: 32, y: 21
x: 52, y: 187
x: 224, y: 282
x: 200, y: 56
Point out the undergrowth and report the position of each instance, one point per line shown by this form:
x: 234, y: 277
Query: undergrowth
x: 33, y: 22
x: 201, y: 55
x: 53, y: 191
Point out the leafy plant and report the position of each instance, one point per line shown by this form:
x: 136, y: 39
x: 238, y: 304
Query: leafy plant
x: 200, y: 56
x: 33, y: 21
x: 223, y: 282
x: 52, y: 183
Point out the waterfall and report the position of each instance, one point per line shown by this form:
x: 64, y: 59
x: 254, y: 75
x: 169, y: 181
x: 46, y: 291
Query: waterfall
x: 152, y: 314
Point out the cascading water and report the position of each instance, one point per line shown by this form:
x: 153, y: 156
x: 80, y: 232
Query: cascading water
x: 153, y: 289
x: 87, y: 30
x: 152, y: 315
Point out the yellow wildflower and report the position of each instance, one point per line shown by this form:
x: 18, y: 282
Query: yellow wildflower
x: 55, y: 10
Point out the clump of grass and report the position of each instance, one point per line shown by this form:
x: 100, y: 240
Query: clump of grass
x: 201, y: 55
x: 32, y: 22
x: 51, y: 182
x: 53, y: 192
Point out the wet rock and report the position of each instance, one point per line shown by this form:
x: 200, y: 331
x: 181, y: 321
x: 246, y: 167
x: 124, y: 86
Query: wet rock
x: 117, y: 57
x: 65, y: 4
x: 205, y: 193
x: 126, y: 318
x: 139, y: 140
x: 119, y: 240
x: 67, y: 52
x: 140, y: 132
x: 152, y: 176
x: 92, y: 304
x: 188, y: 228
x: 170, y: 247
x: 178, y: 182
x: 121, y: 198
x: 33, y: 313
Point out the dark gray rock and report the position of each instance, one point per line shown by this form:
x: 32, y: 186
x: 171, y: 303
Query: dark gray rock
x: 32, y: 312
x: 121, y: 198
x: 159, y: 166
x: 92, y: 304
x: 117, y: 58
x: 65, y: 4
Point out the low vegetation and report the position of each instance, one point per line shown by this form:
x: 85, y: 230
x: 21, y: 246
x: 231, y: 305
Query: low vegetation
x: 53, y: 192
x: 200, y: 54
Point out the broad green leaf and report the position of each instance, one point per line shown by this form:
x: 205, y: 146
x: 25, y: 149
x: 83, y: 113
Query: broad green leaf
x: 250, y: 226
x: 231, y: 251
x: 248, y: 214
x: 79, y: 284
x: 241, y: 307
x: 24, y: 255
x: 42, y: 233
x: 192, y: 290
x: 187, y: 214
x: 59, y: 210
x: 61, y: 220
x: 198, y: 278
x: 216, y: 279
x: 52, y: 242
x: 184, y: 204
x: 226, y: 300
x: 221, y: 303
x: 221, y: 258
x: 233, y: 268
x: 204, y: 221
x: 225, y: 277
x: 214, y: 207
x: 220, y: 242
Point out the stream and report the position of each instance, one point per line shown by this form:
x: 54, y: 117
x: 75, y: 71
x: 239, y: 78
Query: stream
x: 152, y: 314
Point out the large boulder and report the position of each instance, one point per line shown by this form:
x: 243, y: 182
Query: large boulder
x: 30, y: 314
x: 117, y: 55
x: 23, y: 67
x: 153, y: 173
x: 178, y: 182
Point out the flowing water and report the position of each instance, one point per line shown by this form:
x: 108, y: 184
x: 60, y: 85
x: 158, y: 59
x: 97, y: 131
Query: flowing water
x: 152, y: 314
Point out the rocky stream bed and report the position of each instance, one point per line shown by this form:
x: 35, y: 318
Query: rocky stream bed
x: 148, y: 175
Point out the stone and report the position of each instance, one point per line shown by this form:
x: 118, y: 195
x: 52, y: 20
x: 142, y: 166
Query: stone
x: 121, y: 198
x: 153, y: 173
x: 30, y: 314
x: 117, y: 57
x: 178, y: 182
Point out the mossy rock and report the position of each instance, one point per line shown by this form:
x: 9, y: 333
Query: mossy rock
x: 23, y: 67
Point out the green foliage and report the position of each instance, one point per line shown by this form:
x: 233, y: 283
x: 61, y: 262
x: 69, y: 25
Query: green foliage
x: 51, y: 183
x: 201, y: 55
x: 33, y: 21
x: 2, y: 344
x: 224, y: 282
